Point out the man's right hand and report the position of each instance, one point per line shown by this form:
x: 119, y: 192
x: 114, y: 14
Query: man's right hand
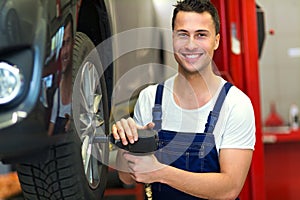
x: 126, y: 130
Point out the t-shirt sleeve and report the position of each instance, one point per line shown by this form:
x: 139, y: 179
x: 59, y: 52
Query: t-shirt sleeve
x: 143, y: 107
x: 240, y: 127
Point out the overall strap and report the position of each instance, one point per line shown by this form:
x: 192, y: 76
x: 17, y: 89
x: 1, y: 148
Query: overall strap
x: 156, y: 110
x: 214, y: 114
x: 58, y: 102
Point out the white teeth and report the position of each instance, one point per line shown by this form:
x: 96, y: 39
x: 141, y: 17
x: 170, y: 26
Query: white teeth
x: 191, y: 56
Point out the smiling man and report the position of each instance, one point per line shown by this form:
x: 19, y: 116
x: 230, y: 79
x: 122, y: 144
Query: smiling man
x: 61, y: 110
x: 207, y: 131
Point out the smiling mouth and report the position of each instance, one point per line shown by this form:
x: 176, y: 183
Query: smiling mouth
x: 191, y: 56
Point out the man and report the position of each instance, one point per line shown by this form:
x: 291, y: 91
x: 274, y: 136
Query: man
x: 61, y: 110
x: 214, y: 164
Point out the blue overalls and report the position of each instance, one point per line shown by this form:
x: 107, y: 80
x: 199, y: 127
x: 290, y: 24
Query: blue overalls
x: 194, y: 152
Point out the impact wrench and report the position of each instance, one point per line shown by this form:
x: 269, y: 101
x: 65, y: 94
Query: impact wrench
x: 146, y: 144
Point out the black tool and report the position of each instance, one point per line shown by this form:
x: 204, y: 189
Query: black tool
x: 147, y: 142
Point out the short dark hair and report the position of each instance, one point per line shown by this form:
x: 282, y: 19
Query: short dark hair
x: 198, y: 6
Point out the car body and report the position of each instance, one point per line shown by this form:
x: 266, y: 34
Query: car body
x: 26, y: 45
x: 31, y: 39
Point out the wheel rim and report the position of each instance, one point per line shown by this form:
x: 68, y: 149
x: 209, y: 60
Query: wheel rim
x: 89, y: 121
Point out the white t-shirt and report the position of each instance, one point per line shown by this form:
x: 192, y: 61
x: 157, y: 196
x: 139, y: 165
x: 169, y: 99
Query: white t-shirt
x: 63, y: 109
x: 235, y: 127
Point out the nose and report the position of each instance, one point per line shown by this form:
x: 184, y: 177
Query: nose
x: 191, y: 44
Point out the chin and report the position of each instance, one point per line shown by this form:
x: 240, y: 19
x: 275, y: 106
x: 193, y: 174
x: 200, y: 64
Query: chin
x: 192, y: 67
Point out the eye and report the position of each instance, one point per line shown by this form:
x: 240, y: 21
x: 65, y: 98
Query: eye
x: 182, y: 35
x: 201, y: 35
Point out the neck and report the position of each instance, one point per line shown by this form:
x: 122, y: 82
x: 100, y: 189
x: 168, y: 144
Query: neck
x: 192, y: 91
x: 203, y: 80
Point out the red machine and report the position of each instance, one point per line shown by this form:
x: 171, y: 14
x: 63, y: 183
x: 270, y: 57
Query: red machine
x: 237, y: 60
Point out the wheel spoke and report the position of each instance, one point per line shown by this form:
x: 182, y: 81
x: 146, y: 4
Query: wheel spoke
x: 88, y: 155
x: 94, y: 78
x: 84, y: 149
x: 83, y: 101
x: 86, y: 131
x: 91, y: 163
x: 97, y: 100
x: 87, y: 87
x: 85, y: 119
x: 99, y: 121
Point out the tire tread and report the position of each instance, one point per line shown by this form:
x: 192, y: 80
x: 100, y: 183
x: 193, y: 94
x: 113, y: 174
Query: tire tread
x: 53, y: 179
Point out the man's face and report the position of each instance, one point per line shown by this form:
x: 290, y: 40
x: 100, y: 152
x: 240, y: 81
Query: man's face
x: 67, y: 47
x: 194, y: 41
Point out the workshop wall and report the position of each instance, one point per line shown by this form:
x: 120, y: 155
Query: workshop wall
x: 279, y: 64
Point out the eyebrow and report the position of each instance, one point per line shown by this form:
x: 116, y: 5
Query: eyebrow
x: 197, y: 31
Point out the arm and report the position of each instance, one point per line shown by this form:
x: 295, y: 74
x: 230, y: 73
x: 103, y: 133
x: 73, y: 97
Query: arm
x: 123, y: 169
x: 234, y: 164
x: 50, y: 128
x: 53, y: 114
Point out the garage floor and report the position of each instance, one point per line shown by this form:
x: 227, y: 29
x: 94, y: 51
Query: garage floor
x: 114, y: 182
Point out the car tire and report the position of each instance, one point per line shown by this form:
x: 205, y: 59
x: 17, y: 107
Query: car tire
x: 76, y: 165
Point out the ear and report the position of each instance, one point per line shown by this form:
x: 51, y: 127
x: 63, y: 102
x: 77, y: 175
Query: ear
x: 217, y: 41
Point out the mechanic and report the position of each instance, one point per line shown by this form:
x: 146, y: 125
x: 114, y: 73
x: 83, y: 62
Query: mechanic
x: 61, y: 110
x: 207, y: 129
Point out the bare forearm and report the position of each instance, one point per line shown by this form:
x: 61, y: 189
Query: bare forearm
x: 123, y: 170
x: 204, y: 185
x: 50, y: 128
x: 126, y: 178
